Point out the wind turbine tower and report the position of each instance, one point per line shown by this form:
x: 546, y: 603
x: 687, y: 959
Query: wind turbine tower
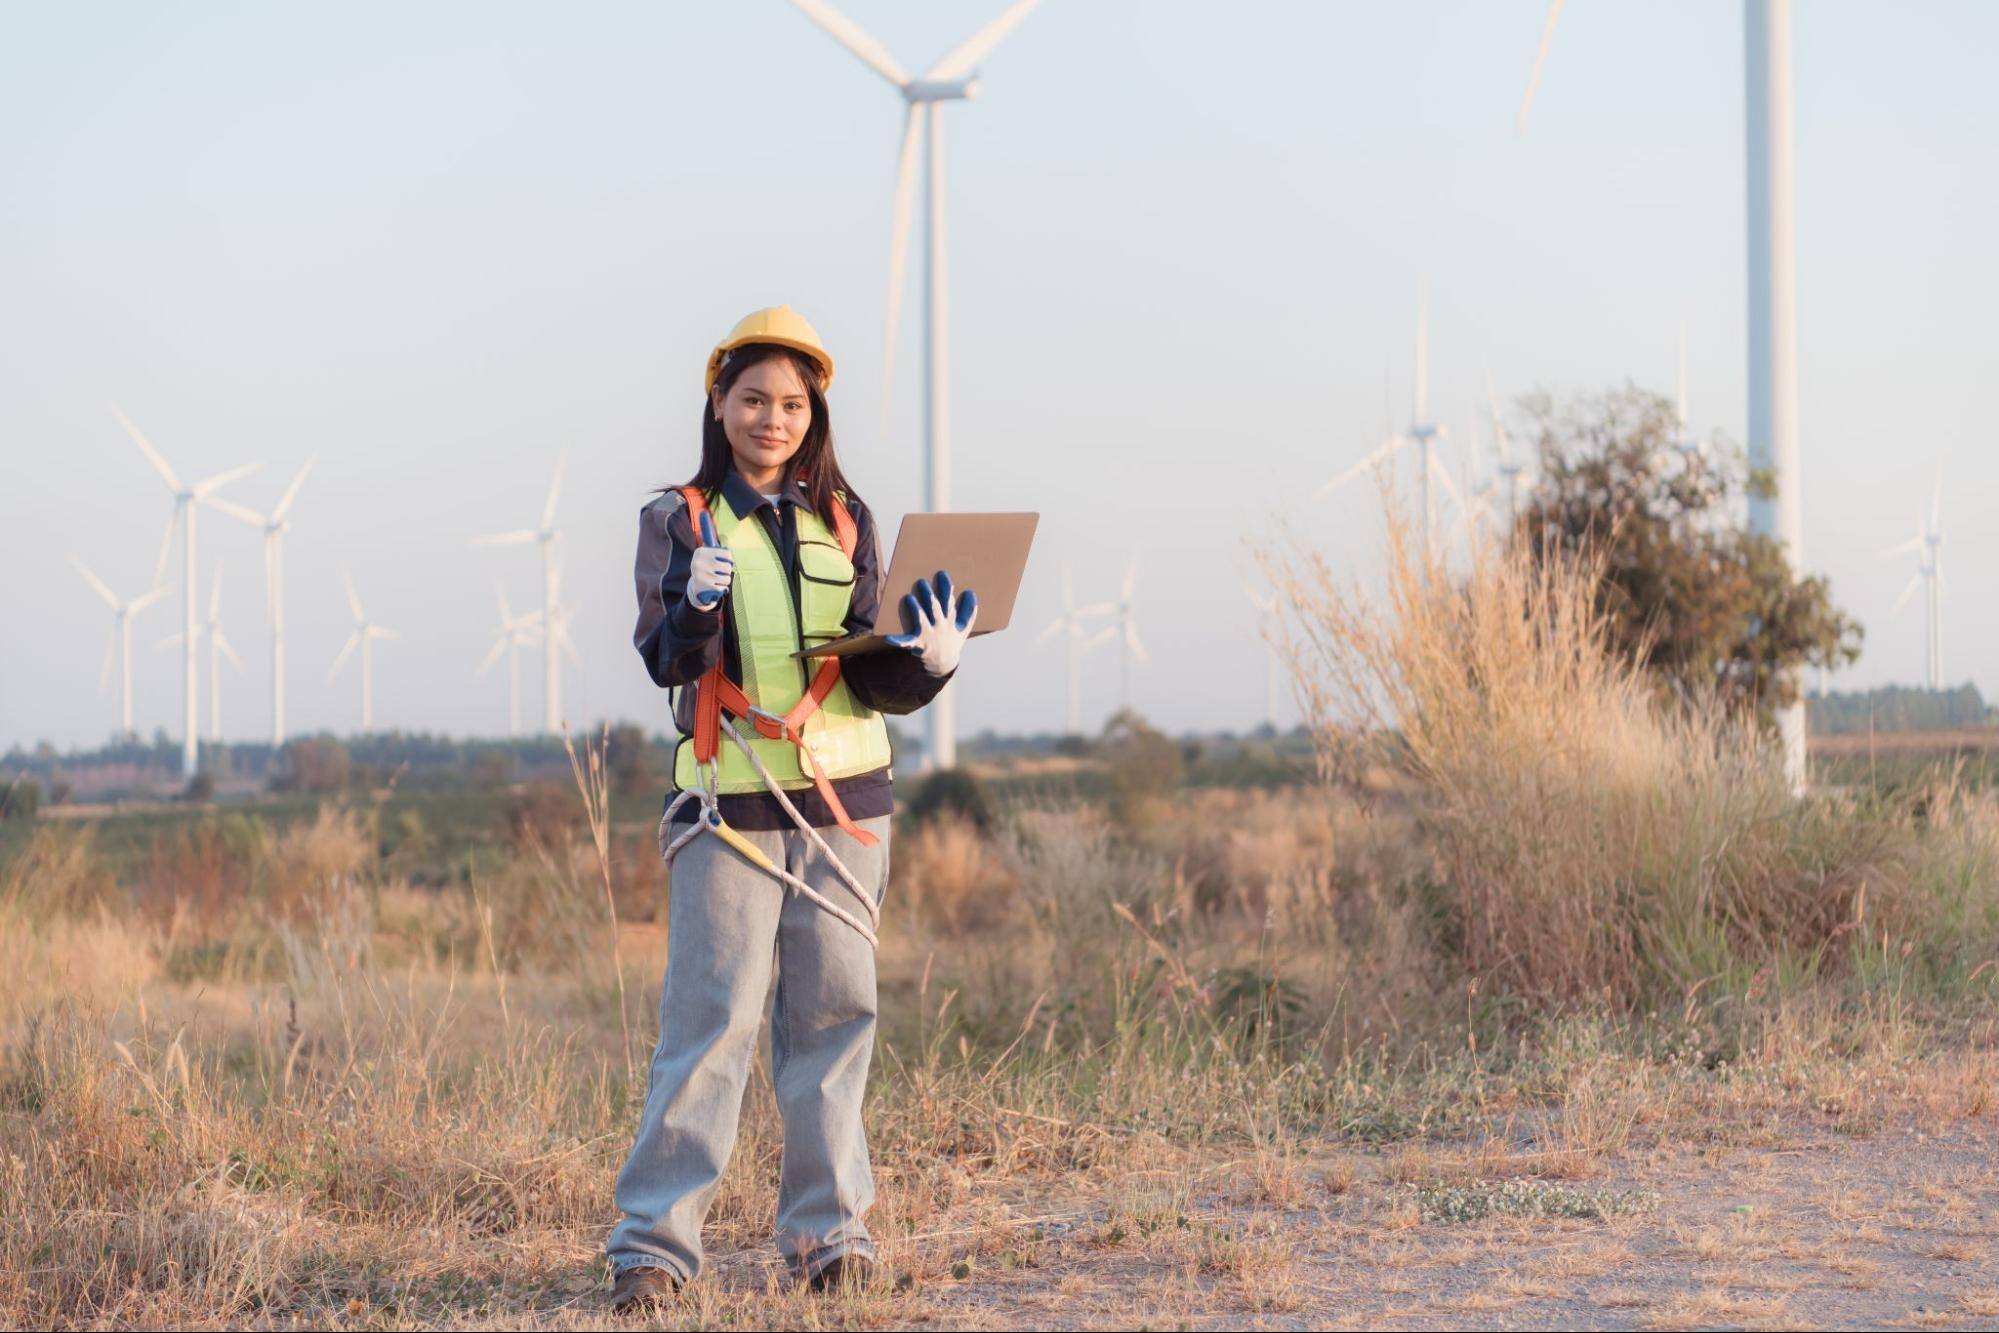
x: 187, y: 500
x: 1927, y: 547
x: 365, y: 633
x: 952, y: 79
x: 274, y: 526
x: 547, y: 536
x: 515, y: 630
x: 1076, y: 642
x: 121, y: 639
x: 1773, y: 287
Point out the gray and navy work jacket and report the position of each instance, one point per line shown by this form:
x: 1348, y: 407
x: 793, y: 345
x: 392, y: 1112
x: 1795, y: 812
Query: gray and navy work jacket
x: 679, y: 641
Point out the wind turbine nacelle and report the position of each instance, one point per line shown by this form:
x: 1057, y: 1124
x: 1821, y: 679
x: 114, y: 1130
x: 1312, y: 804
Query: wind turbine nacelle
x: 953, y: 90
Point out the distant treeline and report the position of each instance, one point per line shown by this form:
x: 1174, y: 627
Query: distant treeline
x: 1899, y: 708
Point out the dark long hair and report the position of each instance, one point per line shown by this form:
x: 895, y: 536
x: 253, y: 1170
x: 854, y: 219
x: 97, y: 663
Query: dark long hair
x: 815, y: 464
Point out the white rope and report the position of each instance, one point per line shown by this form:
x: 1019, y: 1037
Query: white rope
x: 710, y: 818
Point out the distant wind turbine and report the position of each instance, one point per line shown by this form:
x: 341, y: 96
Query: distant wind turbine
x: 120, y: 643
x: 1126, y: 629
x: 1076, y: 642
x: 952, y: 79
x: 547, y: 536
x: 1266, y: 608
x: 515, y: 630
x: 219, y: 647
x: 187, y: 499
x: 1420, y: 431
x: 1509, y: 466
x: 274, y: 526
x: 365, y: 633
x: 1927, y: 547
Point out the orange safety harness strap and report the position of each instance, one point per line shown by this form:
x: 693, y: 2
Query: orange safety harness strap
x: 714, y: 692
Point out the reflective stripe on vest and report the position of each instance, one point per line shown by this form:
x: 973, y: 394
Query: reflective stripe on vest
x: 847, y: 738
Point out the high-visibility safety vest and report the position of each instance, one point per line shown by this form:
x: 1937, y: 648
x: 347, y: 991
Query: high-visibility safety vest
x: 802, y: 721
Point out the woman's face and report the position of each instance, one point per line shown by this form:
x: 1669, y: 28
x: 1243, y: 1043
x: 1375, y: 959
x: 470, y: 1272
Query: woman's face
x: 765, y: 416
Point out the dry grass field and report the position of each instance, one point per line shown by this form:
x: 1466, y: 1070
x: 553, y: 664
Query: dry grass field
x: 1545, y: 1008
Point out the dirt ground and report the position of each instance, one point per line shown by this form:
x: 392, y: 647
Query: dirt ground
x: 1794, y: 1228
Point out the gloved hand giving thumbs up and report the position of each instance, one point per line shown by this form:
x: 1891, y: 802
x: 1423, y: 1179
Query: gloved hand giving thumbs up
x: 714, y: 568
x: 939, y: 622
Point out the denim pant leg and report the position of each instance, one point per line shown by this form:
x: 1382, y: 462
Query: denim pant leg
x: 722, y: 930
x: 822, y: 1038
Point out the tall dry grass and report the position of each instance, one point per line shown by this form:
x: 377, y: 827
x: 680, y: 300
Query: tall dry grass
x: 1589, y: 838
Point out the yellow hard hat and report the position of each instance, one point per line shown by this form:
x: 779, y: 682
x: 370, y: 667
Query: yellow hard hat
x: 778, y: 324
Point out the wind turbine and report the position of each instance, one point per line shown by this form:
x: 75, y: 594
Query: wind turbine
x: 1420, y: 431
x: 219, y: 647
x: 1126, y: 629
x: 186, y: 500
x: 120, y: 642
x: 364, y: 636
x: 952, y: 79
x: 1077, y: 641
x: 515, y: 630
x: 1508, y: 466
x: 1773, y: 303
x: 1689, y: 445
x: 547, y: 536
x: 273, y: 526
x: 1266, y: 608
x: 1927, y: 547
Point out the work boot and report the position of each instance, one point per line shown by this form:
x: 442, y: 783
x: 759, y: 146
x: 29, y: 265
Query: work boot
x: 843, y: 1273
x: 642, y: 1289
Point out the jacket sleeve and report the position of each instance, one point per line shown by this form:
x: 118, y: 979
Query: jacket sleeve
x: 890, y: 681
x: 677, y: 639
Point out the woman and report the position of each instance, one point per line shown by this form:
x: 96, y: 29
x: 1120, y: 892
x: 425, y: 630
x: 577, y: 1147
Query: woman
x: 778, y: 831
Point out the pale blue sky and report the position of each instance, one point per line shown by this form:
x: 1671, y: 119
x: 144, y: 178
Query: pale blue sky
x: 434, y: 243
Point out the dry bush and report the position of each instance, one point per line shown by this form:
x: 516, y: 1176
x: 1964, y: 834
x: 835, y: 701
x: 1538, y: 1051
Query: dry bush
x: 56, y: 874
x: 1588, y: 839
x: 949, y: 876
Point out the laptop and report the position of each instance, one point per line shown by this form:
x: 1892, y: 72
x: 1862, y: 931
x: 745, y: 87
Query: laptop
x: 984, y: 552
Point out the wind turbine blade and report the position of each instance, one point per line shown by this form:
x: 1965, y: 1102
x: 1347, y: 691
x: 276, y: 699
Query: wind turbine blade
x: 291, y: 492
x: 1052, y: 628
x: 1540, y: 59
x: 554, y: 493
x: 1443, y: 476
x: 1936, y: 503
x: 146, y: 448
x: 147, y: 598
x: 166, y: 547
x: 382, y: 632
x: 221, y: 479
x: 898, y: 245
x: 499, y: 646
x: 850, y: 35
x: 353, y: 598
x: 110, y: 599
x: 1376, y: 456
x: 1130, y: 583
x: 346, y: 651
x: 223, y: 645
x: 1100, y: 638
x: 1131, y: 638
x: 963, y: 60
x: 1908, y: 547
x: 518, y: 537
x: 567, y: 644
x: 1915, y: 582
x: 1093, y: 610
x: 506, y: 612
x: 234, y: 510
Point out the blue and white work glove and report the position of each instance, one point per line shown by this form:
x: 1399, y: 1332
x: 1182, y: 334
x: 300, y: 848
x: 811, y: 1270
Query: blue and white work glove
x: 714, y: 568
x: 939, y: 621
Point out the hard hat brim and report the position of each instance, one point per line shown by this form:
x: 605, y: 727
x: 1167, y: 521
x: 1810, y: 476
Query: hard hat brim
x: 816, y: 355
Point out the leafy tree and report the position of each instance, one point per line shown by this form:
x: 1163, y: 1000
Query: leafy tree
x: 628, y: 759
x: 1703, y: 603
x: 1142, y: 762
x: 316, y: 764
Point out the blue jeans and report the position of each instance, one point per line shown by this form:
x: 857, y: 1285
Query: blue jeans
x: 730, y: 926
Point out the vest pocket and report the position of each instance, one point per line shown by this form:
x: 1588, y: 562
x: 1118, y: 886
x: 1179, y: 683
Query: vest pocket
x: 826, y: 590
